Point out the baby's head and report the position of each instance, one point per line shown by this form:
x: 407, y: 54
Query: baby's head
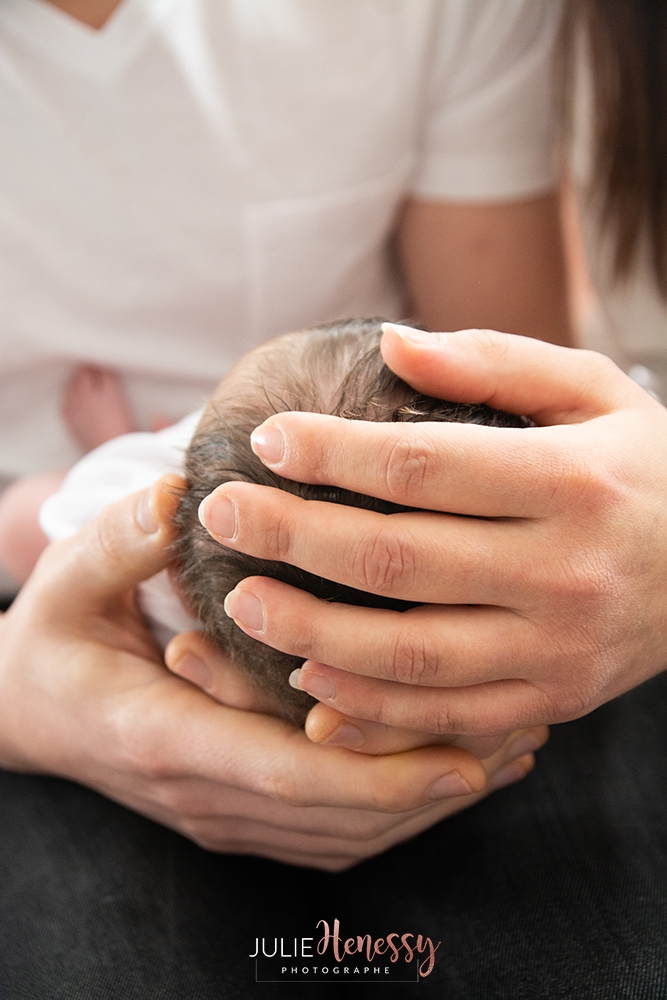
x: 335, y: 369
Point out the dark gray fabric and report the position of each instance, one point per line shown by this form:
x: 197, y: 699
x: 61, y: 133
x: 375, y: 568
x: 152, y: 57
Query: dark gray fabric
x: 553, y: 888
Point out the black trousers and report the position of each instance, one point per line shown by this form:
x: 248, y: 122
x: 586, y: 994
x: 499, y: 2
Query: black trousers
x: 553, y: 888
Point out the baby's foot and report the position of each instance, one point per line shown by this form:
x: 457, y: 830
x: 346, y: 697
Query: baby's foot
x: 95, y: 407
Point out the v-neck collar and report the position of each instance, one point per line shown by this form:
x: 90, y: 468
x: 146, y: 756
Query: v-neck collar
x: 99, y: 54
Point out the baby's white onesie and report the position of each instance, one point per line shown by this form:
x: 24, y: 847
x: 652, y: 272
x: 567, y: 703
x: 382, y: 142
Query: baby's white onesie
x: 120, y: 467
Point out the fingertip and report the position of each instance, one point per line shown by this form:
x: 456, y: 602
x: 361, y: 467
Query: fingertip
x: 412, y: 353
x: 411, y: 335
x: 157, y: 504
x: 169, y: 490
x: 326, y: 725
x: 467, y: 775
x: 193, y: 669
x: 145, y: 515
x: 268, y: 443
x: 513, y: 772
x: 294, y: 678
x: 450, y: 786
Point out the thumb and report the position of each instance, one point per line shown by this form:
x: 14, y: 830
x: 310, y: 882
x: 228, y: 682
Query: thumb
x: 129, y: 541
x: 550, y: 384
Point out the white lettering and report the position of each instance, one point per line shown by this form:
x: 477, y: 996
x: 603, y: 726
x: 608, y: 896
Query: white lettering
x: 275, y: 950
x: 282, y: 953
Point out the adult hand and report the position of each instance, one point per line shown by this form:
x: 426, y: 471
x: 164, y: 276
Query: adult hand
x: 84, y: 694
x: 192, y: 656
x: 547, y: 600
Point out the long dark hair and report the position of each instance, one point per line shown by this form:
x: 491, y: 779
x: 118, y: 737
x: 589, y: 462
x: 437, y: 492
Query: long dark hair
x: 627, y: 46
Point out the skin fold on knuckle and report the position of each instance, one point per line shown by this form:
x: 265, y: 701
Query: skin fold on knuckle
x: 178, y: 799
x: 599, y: 370
x: 384, y: 562
x: 281, y: 785
x: 279, y: 532
x: 411, y: 657
x: 435, y: 715
x: 408, y: 462
x: 588, y: 589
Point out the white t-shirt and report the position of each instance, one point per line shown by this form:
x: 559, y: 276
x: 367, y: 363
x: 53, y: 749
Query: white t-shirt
x: 200, y: 175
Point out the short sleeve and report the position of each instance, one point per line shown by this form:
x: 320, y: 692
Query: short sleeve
x: 489, y: 128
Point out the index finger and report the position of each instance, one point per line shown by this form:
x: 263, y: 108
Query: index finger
x: 460, y: 468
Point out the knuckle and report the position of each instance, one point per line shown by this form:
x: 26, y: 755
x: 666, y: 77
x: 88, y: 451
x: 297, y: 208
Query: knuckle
x: 438, y: 718
x: 567, y: 702
x: 279, y: 538
x: 407, y: 462
x: 489, y: 343
x: 595, y: 487
x: 139, y: 751
x: 584, y: 481
x: 383, y: 562
x: 282, y: 787
x: 387, y: 798
x: 372, y: 828
x: 600, y: 366
x: 587, y: 577
x: 152, y: 763
x: 588, y: 586
x: 111, y: 545
x: 412, y: 658
x: 171, y: 799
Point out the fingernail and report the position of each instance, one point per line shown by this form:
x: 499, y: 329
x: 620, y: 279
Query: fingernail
x: 268, y: 443
x: 293, y: 679
x: 195, y: 670
x: 528, y: 743
x: 320, y: 687
x: 145, y: 515
x: 345, y: 736
x: 246, y: 609
x: 508, y: 775
x: 425, y: 337
x: 449, y: 785
x: 218, y: 515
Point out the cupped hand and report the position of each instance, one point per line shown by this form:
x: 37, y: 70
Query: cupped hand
x: 84, y: 694
x: 540, y: 554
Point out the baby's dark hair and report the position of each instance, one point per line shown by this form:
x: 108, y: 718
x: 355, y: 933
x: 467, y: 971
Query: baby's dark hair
x: 337, y: 369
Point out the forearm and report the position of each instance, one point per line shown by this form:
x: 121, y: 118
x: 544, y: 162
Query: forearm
x: 497, y: 266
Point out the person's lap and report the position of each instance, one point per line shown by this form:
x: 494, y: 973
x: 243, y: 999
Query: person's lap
x: 553, y: 888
